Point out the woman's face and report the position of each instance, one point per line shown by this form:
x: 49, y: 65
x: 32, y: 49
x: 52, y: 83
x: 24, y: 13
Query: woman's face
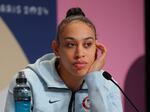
x: 77, y: 48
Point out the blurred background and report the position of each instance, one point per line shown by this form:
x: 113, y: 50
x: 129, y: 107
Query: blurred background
x: 27, y: 28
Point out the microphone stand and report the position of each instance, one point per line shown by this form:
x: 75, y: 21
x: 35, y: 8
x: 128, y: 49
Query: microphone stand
x: 109, y: 77
x: 125, y: 96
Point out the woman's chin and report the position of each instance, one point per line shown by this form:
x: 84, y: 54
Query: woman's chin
x: 80, y: 73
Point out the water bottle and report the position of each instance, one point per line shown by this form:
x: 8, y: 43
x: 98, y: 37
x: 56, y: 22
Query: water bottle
x: 22, y: 94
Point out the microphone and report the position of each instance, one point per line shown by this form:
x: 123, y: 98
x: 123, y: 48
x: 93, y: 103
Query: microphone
x: 109, y: 77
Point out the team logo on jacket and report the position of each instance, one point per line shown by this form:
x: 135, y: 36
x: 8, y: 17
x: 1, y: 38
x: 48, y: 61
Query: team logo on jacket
x: 86, y: 104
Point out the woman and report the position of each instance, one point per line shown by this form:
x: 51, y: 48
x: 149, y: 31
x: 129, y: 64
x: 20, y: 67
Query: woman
x: 71, y: 79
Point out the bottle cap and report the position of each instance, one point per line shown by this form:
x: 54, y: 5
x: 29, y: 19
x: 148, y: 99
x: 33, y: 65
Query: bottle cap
x: 21, y: 78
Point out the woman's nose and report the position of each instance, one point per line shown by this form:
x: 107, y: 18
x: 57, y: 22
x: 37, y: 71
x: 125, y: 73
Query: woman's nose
x: 79, y: 52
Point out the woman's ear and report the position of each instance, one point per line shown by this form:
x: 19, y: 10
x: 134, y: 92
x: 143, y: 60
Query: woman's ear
x: 55, y: 47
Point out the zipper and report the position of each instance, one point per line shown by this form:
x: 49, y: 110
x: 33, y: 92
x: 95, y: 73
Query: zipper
x: 71, y: 107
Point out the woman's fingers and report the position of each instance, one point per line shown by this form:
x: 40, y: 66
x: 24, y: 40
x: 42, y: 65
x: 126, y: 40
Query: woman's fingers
x: 101, y: 47
x: 100, y: 61
x: 103, y: 50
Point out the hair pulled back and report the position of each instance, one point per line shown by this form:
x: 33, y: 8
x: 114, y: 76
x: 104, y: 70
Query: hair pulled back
x: 74, y: 14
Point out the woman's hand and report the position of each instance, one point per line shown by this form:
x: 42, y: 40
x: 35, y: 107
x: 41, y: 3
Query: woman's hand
x: 100, y: 61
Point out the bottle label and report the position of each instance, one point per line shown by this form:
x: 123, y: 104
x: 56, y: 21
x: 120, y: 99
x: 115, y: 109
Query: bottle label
x: 22, y: 94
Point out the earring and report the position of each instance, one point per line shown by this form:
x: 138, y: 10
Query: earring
x: 57, y: 57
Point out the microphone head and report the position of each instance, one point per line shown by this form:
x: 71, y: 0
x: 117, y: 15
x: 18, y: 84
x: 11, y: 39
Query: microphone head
x: 107, y: 75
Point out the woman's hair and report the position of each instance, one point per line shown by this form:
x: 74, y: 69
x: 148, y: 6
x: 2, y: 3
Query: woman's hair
x: 74, y: 14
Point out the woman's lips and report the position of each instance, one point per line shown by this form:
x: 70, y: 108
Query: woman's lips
x: 79, y: 64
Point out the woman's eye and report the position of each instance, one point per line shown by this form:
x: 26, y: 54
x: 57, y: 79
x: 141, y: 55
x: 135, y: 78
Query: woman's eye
x: 87, y: 45
x: 70, y: 45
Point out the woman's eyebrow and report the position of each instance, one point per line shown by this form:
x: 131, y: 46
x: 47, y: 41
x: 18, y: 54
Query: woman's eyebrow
x: 69, y: 38
x: 88, y: 38
x: 72, y: 38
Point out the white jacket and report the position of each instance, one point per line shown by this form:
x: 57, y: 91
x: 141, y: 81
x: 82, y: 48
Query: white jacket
x: 50, y: 94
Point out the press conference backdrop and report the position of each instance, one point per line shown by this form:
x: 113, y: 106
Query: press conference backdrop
x: 27, y: 28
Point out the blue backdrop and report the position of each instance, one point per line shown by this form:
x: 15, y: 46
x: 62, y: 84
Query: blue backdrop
x: 32, y: 22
